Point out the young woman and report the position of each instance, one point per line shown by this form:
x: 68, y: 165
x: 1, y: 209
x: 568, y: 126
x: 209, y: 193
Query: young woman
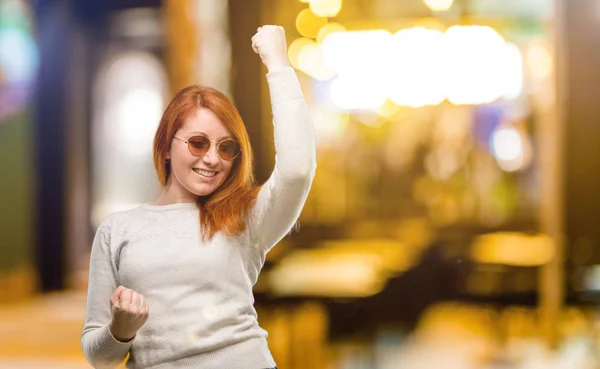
x: 171, y: 282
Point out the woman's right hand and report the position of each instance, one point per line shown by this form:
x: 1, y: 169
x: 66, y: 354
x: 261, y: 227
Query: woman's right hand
x: 270, y: 44
x: 129, y: 312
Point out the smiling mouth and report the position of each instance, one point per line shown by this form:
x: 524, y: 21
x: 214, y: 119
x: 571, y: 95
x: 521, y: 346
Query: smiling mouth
x: 205, y: 173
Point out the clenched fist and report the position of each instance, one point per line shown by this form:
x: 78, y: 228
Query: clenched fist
x: 129, y: 312
x: 270, y: 44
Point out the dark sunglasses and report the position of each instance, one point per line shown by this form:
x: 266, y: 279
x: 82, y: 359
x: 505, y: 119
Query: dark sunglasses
x: 228, y: 149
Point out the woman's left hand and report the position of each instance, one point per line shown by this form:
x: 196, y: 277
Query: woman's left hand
x: 270, y: 44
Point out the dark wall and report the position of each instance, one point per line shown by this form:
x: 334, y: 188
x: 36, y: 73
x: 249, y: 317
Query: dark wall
x: 247, y: 77
x: 579, y: 56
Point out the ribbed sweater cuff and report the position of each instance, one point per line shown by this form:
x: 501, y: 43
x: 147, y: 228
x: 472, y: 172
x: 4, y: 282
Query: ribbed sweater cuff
x: 109, y: 346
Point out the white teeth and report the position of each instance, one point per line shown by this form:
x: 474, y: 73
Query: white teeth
x: 205, y: 173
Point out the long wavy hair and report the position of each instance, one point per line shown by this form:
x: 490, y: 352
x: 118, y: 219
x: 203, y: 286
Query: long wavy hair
x: 227, y: 207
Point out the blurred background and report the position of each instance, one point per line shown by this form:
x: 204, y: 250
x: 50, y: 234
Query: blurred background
x: 453, y: 218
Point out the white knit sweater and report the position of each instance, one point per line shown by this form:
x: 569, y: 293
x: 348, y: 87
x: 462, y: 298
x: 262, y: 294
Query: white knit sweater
x: 200, y: 293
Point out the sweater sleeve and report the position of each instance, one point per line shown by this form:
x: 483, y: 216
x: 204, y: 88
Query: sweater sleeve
x: 281, y: 199
x: 99, y: 346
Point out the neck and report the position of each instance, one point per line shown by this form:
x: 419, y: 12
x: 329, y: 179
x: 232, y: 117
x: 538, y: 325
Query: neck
x: 173, y: 193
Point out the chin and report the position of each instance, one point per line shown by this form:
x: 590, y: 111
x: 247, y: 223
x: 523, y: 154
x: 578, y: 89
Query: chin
x: 204, y: 190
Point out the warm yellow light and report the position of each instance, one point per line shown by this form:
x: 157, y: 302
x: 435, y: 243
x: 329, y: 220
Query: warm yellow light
x: 439, y: 5
x: 308, y: 57
x: 328, y: 29
x: 310, y: 61
x: 415, y: 72
x: 317, y: 274
x: 369, y: 118
x: 475, y: 59
x: 356, y: 94
x: 514, y: 72
x: 341, y: 268
x: 388, y: 109
x: 330, y: 124
x: 326, y: 8
x: 360, y: 60
x: 308, y: 24
x: 539, y: 60
x: 295, y: 48
x: 416, y: 67
x: 511, y: 248
x: 432, y: 23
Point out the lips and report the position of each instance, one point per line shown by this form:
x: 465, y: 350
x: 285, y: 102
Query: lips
x: 205, y: 173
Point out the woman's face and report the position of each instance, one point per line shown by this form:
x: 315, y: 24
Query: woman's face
x: 203, y: 175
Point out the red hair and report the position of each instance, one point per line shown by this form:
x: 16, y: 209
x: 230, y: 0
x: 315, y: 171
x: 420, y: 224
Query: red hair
x: 226, y: 208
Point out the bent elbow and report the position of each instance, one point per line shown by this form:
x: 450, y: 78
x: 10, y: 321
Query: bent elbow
x: 94, y: 357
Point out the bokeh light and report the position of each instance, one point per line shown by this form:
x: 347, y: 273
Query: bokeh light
x: 330, y: 124
x: 138, y: 112
x: 19, y: 57
x: 328, y: 29
x: 326, y: 8
x: 514, y: 72
x: 466, y: 65
x: 415, y: 71
x: 308, y: 24
x: 388, y: 109
x: 360, y: 61
x: 539, y: 60
x: 511, y: 148
x: 439, y: 5
x: 475, y: 59
x: 294, y: 50
x: 512, y: 248
x: 506, y: 143
x: 310, y: 61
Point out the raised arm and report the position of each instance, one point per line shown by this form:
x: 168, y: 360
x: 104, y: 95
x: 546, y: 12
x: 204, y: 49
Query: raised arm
x: 282, y: 197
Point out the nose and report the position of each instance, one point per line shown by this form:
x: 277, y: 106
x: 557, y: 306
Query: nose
x: 211, y: 157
